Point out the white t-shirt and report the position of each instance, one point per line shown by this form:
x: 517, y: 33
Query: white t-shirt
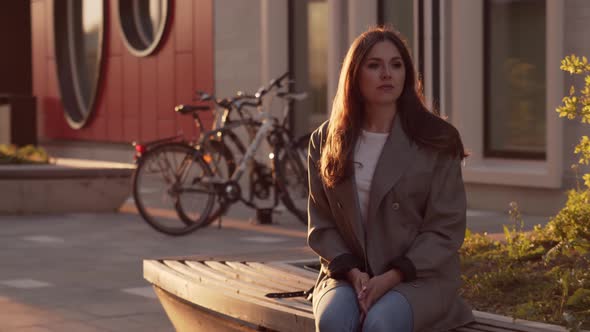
x: 366, y: 154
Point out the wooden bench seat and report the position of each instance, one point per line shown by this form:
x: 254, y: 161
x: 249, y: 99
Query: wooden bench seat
x: 220, y: 295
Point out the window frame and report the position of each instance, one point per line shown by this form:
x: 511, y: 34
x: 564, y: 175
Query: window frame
x: 77, y: 110
x: 128, y: 28
x: 466, y: 63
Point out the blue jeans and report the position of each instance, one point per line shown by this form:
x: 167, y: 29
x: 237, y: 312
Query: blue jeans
x: 338, y: 310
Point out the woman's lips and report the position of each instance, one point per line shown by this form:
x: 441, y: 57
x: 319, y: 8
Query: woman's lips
x: 386, y: 87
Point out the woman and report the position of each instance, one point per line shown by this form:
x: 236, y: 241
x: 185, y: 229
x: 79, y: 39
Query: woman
x: 387, y: 203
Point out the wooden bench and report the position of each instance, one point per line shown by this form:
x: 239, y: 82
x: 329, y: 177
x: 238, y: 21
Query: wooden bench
x: 202, y: 294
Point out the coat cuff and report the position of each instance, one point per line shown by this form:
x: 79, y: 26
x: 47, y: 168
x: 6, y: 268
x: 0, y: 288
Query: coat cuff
x: 340, y: 265
x: 406, y: 267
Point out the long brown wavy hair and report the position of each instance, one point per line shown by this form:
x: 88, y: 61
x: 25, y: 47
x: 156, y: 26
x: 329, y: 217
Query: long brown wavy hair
x: 423, y: 126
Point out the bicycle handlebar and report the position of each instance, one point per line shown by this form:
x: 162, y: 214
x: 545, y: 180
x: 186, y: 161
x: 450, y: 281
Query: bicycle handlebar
x: 238, y: 100
x: 277, y: 82
x: 226, y: 103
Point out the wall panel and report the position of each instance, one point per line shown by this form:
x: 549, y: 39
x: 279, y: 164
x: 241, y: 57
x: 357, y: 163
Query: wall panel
x: 136, y: 96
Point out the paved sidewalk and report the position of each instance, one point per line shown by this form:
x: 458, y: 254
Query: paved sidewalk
x: 83, y: 272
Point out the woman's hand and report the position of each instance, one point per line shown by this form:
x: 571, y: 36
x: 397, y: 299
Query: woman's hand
x: 357, y: 279
x: 376, y: 288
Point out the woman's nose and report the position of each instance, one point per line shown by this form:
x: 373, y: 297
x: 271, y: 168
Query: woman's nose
x: 386, y: 72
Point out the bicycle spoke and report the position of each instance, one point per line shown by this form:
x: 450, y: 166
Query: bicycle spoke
x: 292, y: 176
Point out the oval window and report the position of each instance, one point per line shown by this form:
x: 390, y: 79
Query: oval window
x: 78, y: 28
x: 142, y: 24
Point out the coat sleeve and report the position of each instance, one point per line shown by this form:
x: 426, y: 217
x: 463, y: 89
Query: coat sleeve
x: 443, y: 229
x: 323, y: 236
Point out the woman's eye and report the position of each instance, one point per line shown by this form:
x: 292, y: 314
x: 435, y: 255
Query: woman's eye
x: 397, y: 65
x: 373, y: 65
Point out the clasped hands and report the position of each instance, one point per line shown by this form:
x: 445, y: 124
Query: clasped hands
x: 369, y: 290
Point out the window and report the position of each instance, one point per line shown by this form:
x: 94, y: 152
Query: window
x: 514, y: 82
x: 78, y: 27
x: 317, y: 35
x: 142, y: 24
x: 400, y: 14
x: 422, y: 24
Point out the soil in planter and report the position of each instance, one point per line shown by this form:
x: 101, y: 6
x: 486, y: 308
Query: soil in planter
x: 528, y: 276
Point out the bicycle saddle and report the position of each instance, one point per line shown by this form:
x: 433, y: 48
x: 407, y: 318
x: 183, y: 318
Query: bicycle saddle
x: 185, y: 109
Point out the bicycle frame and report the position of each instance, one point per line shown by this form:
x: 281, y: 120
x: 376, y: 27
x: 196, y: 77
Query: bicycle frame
x: 267, y: 126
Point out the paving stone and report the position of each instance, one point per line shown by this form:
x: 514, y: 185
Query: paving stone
x: 24, y: 316
x: 24, y: 283
x: 77, y: 326
x: 44, y: 239
x: 128, y: 324
x: 27, y: 329
x: 147, y: 291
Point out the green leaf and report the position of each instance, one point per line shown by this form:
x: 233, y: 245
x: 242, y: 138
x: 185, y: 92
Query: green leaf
x: 580, y: 299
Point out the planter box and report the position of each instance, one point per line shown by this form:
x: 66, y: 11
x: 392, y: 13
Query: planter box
x: 65, y: 186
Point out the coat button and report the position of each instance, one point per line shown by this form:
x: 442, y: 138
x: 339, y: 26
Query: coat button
x: 395, y: 206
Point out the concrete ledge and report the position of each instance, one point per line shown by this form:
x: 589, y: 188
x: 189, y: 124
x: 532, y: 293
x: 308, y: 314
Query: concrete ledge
x: 65, y: 186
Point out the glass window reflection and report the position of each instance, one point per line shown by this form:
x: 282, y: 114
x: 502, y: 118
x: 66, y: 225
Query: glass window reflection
x: 317, y: 12
x: 87, y: 46
x: 515, y: 122
x: 142, y: 24
x: 78, y: 27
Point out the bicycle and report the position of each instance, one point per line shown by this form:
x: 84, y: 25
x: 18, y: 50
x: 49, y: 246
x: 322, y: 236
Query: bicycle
x: 292, y: 168
x: 157, y: 161
x: 178, y: 162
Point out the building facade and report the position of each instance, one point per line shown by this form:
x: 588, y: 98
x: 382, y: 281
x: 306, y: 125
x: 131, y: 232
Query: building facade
x: 490, y: 66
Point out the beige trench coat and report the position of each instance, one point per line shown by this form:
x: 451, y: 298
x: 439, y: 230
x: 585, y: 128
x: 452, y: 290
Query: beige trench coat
x: 417, y: 209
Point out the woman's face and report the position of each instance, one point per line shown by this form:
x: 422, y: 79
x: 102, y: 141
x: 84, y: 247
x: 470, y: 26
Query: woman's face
x: 382, y: 75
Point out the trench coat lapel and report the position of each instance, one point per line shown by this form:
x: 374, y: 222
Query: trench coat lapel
x: 346, y: 195
x: 397, y: 154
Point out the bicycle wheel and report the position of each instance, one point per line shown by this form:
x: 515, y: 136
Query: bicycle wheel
x: 221, y: 162
x: 168, y: 177
x: 292, y: 179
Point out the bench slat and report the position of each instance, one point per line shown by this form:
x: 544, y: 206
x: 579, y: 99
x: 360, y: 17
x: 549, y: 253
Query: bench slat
x: 270, y: 270
x: 256, y: 312
x: 243, y: 287
x: 222, y: 268
x: 205, y: 276
x: 293, y: 269
x: 466, y: 329
x: 507, y: 324
x: 245, y: 271
x: 263, y: 277
x: 490, y: 328
x: 240, y: 285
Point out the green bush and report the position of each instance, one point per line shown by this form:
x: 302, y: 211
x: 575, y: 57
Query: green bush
x: 29, y: 154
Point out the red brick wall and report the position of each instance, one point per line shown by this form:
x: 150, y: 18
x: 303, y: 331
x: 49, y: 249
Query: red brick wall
x: 136, y: 96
